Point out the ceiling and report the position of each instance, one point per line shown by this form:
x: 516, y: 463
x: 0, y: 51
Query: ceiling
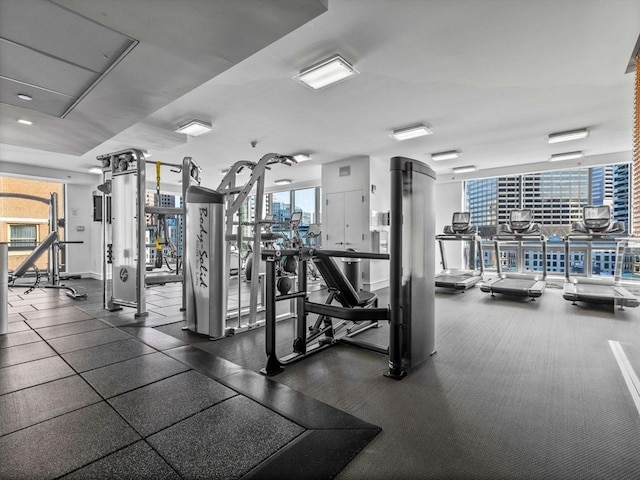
x: 491, y: 78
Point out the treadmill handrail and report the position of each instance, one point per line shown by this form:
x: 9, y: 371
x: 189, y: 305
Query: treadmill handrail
x: 467, y: 237
x: 521, y: 238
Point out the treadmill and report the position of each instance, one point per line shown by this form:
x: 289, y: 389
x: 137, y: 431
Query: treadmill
x: 519, y: 230
x: 461, y: 230
x: 596, y: 226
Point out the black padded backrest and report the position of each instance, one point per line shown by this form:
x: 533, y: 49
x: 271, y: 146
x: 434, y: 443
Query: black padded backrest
x: 336, y: 280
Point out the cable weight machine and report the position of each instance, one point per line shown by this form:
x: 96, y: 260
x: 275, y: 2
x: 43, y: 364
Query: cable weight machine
x: 124, y: 232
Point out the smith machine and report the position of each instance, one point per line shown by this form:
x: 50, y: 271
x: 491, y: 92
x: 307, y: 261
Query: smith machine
x: 125, y: 228
x: 411, y: 308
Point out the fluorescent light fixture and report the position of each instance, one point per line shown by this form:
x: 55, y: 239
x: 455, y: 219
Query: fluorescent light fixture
x: 467, y: 169
x: 327, y: 72
x: 301, y: 157
x: 195, y: 128
x: 556, y: 157
x: 96, y: 170
x: 225, y: 171
x: 25, y: 122
x: 24, y: 96
x: 283, y: 181
x: 566, y: 136
x: 412, y: 131
x: 450, y: 155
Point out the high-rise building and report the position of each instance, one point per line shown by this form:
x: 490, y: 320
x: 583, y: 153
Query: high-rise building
x: 621, y: 190
x: 601, y: 185
x: 556, y: 199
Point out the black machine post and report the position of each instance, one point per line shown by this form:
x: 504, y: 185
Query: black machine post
x: 412, y: 268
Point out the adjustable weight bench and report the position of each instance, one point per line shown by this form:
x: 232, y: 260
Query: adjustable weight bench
x: 358, y: 311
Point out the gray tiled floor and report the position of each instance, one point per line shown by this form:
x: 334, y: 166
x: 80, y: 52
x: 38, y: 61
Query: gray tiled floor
x: 224, y: 441
x: 133, y: 373
x: 161, y: 404
x: 82, y: 399
x: 107, y: 354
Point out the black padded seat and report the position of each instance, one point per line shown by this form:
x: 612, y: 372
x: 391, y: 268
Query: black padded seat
x: 341, y: 286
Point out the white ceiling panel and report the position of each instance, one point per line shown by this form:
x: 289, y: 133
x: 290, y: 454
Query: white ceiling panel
x: 42, y: 100
x: 34, y: 68
x: 61, y: 33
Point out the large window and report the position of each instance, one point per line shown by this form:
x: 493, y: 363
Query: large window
x: 23, y: 236
x: 556, y: 199
x: 280, y: 205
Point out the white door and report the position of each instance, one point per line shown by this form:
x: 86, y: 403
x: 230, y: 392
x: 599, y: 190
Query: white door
x: 344, y: 220
x: 353, y: 220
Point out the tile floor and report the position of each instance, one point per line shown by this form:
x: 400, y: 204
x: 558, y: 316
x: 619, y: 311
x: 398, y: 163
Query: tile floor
x: 87, y: 393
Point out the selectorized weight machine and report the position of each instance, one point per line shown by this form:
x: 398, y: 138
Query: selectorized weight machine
x: 411, y: 310
x: 225, y: 206
x: 124, y: 232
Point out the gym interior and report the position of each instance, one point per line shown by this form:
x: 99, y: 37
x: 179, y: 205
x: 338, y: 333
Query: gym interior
x: 319, y: 239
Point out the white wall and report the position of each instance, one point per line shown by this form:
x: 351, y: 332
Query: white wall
x: 380, y: 201
x: 86, y: 258
x: 449, y: 199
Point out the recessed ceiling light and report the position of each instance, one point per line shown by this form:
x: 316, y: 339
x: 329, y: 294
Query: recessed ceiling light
x: 25, y: 122
x: 566, y: 136
x: 195, y: 128
x: 24, y: 96
x: 412, y: 131
x: 301, y: 157
x: 450, y: 155
x: 283, y: 181
x: 96, y: 170
x: 328, y: 72
x: 467, y: 169
x: 566, y: 156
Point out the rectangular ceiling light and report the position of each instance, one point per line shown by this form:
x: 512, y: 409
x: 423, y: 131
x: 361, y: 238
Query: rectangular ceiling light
x: 301, y: 157
x: 566, y: 136
x: 556, y: 157
x: 327, y: 72
x: 450, y: 155
x: 413, y: 131
x: 195, y: 128
x: 467, y: 169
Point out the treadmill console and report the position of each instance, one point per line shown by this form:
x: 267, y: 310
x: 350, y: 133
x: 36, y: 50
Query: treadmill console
x: 295, y: 219
x: 596, y: 220
x: 520, y: 221
x: 460, y: 224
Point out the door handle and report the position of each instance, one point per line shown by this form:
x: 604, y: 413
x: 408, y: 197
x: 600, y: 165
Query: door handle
x: 339, y: 243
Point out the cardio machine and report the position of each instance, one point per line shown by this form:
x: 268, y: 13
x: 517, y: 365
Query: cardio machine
x: 596, y: 227
x: 461, y: 230
x: 521, y: 283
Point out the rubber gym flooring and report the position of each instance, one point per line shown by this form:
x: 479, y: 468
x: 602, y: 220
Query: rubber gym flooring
x: 517, y: 389
x: 88, y: 394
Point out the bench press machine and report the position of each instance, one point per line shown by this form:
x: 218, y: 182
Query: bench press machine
x: 411, y: 285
